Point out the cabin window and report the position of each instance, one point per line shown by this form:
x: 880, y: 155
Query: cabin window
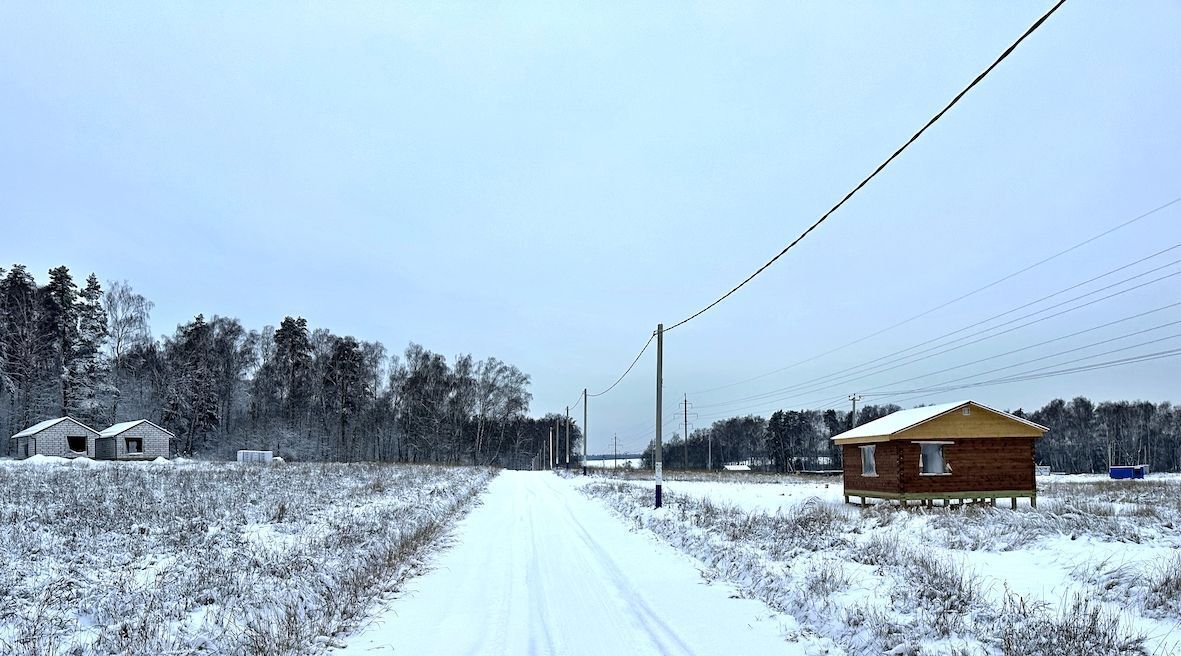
x: 77, y: 443
x: 931, y: 460
x: 135, y: 445
x: 868, y: 465
x: 967, y: 411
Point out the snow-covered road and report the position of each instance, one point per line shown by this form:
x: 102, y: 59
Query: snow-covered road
x: 540, y: 569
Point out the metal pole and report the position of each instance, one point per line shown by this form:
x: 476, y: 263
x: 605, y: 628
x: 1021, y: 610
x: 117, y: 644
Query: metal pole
x: 685, y: 437
x: 615, y: 462
x: 658, y: 458
x: 551, y: 449
x: 854, y: 398
x: 567, y: 438
x: 585, y: 432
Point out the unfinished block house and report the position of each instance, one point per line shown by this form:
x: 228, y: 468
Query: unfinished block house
x: 961, y: 451
x: 63, y: 437
x: 133, y: 440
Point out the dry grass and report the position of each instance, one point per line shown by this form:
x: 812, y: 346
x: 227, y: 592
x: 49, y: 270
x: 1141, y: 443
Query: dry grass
x: 135, y: 558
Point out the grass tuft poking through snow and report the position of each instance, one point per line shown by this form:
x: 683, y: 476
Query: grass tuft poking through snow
x: 886, y: 580
x: 131, y: 558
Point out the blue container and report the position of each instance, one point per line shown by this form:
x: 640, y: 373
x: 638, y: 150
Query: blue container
x: 1127, y: 471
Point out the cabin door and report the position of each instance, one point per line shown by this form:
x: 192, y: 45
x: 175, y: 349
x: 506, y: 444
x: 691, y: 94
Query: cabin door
x: 104, y: 448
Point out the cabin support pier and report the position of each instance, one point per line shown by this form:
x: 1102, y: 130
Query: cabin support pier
x: 928, y: 500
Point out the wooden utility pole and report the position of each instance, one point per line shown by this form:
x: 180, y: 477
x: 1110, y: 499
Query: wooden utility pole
x: 551, y: 449
x: 615, y: 462
x: 658, y: 460
x: 557, y: 442
x: 854, y: 398
x: 585, y: 432
x: 685, y: 436
x: 567, y: 438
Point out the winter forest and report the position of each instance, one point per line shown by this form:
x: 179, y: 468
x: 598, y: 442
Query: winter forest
x: 87, y: 351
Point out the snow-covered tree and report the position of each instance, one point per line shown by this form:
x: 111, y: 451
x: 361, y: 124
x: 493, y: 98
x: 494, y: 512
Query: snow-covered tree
x: 88, y: 367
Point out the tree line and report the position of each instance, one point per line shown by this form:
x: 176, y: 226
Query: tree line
x: 304, y: 392
x: 1083, y: 437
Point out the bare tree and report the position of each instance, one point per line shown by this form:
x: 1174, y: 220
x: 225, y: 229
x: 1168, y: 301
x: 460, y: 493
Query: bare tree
x: 128, y: 314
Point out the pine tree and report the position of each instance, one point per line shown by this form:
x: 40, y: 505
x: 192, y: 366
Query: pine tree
x: 293, y: 362
x: 24, y: 345
x: 344, y: 384
x: 89, y: 369
x: 191, y: 403
x: 59, y: 325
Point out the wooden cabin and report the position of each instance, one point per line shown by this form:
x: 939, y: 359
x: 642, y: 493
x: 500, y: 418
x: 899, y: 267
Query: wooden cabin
x: 954, y: 451
x: 64, y: 437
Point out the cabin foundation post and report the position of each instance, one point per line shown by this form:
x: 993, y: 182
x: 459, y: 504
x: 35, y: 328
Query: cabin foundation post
x: 1033, y: 501
x: 1014, y: 500
x: 846, y: 498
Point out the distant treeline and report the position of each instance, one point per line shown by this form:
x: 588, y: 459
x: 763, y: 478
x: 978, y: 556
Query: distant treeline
x: 306, y: 393
x: 1083, y: 437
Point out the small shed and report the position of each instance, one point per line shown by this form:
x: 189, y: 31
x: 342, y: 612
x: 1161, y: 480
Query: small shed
x: 64, y: 437
x: 962, y: 450
x: 133, y: 440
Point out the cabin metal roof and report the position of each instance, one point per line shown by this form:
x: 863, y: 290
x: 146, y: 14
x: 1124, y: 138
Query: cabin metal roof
x: 906, y: 419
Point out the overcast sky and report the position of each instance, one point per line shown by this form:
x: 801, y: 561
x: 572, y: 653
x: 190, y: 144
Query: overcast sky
x: 546, y: 182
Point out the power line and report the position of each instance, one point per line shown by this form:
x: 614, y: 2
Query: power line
x: 577, y: 402
x: 828, y: 400
x: 869, y: 367
x: 871, y: 392
x: 952, y: 301
x: 940, y: 385
x: 1147, y: 357
x: 629, y: 367
x: 879, y: 169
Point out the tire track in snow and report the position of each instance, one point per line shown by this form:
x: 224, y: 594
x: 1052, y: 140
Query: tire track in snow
x: 537, y: 568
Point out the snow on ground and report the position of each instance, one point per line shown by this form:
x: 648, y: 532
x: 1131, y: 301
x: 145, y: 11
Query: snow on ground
x: 539, y: 569
x: 1096, y: 568
x: 183, y: 557
x: 616, y: 463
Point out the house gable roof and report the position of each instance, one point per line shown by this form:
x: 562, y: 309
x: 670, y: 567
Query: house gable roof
x: 49, y: 423
x: 886, y: 428
x: 128, y: 425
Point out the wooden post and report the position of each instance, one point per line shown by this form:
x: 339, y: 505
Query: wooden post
x: 846, y: 498
x: 1014, y: 500
x: 1033, y: 501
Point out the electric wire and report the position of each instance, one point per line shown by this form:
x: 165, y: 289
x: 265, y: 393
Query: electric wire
x: 629, y: 367
x: 897, y: 358
x: 870, y: 391
x: 952, y: 301
x: 1038, y: 23
x: 1147, y: 357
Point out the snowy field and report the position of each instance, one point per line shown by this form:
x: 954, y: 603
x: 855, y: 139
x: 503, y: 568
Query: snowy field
x: 613, y: 463
x: 1095, y: 569
x: 167, y: 558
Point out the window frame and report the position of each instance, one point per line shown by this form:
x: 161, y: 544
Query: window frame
x: 942, y: 455
x: 85, y: 443
x: 127, y: 446
x: 871, y: 449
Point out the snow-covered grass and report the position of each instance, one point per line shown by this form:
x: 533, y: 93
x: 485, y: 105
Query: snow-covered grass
x: 1095, y: 569
x: 167, y: 558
